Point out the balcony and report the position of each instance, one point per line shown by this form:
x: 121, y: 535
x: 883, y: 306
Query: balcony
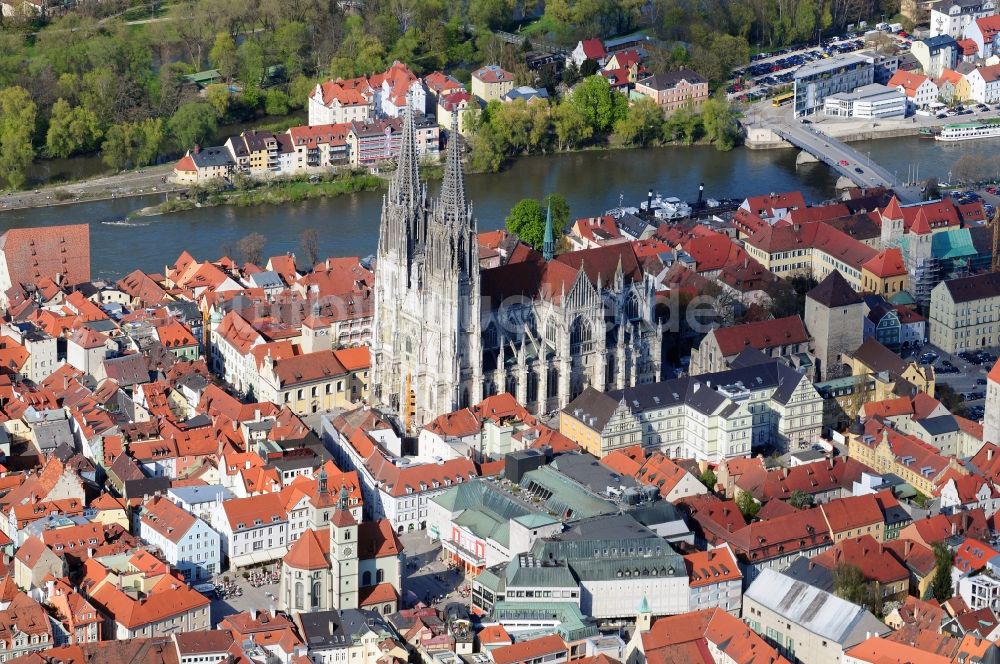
x: 468, y: 556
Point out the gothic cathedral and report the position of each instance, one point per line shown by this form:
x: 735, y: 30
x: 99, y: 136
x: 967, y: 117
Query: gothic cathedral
x: 543, y: 327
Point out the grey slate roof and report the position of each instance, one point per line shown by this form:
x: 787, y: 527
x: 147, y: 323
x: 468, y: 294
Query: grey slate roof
x: 323, y: 630
x: 127, y: 370
x: 209, y: 157
x: 978, y: 287
x: 699, y: 392
x: 584, y: 469
x: 834, y: 291
x: 938, y: 426
x: 804, y: 570
x: 813, y: 609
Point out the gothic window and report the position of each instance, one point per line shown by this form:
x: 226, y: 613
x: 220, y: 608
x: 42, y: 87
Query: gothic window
x: 315, y: 594
x: 580, y: 335
x: 298, y: 595
x: 490, y: 336
x: 550, y: 331
x: 632, y: 309
x: 379, y: 576
x: 366, y: 578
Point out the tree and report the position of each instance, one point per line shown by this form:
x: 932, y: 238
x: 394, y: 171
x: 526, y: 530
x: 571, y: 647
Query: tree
x: 570, y: 125
x: 527, y: 221
x: 560, y: 211
x: 193, y: 124
x: 223, y: 55
x: 309, y: 241
x: 275, y: 102
x: 133, y: 144
x: 800, y: 499
x: 941, y: 584
x: 720, y: 122
x: 950, y: 399
x: 969, y: 168
x: 642, y: 124
x: 598, y: 103
x: 250, y: 58
x: 931, y: 189
x: 747, y: 505
x: 17, y: 126
x: 219, y: 96
x: 684, y: 124
x: 251, y: 248
x: 849, y: 583
x: 588, y: 68
x: 709, y: 479
x: 71, y: 130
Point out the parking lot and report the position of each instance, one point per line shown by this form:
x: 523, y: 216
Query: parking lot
x: 965, y: 373
x: 770, y: 72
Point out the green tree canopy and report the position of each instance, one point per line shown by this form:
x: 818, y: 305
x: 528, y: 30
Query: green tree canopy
x: 747, y: 505
x: 223, y: 55
x: 71, y: 130
x: 941, y: 584
x: 800, y: 499
x: 133, y: 144
x: 642, y: 124
x: 193, y: 124
x: 17, y: 127
x: 709, y: 479
x: 598, y: 103
x: 527, y: 220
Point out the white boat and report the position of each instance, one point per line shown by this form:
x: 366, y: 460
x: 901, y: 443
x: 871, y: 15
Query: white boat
x: 667, y: 208
x: 968, y: 131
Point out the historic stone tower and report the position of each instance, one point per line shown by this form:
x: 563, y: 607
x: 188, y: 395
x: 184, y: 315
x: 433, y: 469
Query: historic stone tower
x: 427, y: 357
x: 343, y: 557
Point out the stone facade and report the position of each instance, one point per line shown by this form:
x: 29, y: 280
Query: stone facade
x: 834, y: 320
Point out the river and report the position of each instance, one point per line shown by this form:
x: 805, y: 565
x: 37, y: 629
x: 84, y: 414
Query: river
x: 591, y: 181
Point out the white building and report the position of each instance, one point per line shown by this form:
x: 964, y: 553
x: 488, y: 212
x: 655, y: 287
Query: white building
x: 953, y: 17
x: 186, y: 541
x: 984, y: 84
x: 203, y: 501
x: 920, y: 91
x: 715, y: 580
x: 868, y: 101
x: 393, y: 488
x: 991, y: 425
x: 254, y: 529
x: 983, y: 32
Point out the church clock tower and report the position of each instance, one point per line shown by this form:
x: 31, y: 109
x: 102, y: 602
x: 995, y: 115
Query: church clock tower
x: 343, y: 556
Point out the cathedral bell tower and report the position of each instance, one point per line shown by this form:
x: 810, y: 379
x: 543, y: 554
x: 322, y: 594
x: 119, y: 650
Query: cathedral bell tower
x: 343, y: 556
x: 426, y: 350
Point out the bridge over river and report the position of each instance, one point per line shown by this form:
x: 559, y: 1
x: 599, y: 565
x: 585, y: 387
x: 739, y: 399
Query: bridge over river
x: 841, y: 157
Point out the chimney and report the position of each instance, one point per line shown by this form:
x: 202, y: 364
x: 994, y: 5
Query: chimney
x: 784, y: 472
x: 954, y: 528
x: 649, y: 201
x: 907, y: 545
x: 989, y: 453
x: 701, y: 192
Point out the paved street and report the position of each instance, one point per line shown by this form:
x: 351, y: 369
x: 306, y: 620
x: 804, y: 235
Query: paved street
x: 251, y: 598
x: 426, y: 577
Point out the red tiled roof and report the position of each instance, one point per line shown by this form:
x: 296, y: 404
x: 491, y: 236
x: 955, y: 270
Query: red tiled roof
x: 593, y: 48
x: 37, y: 252
x: 761, y: 335
x: 523, y: 651
x: 887, y: 263
x: 876, y: 562
x: 186, y: 164
x: 852, y: 513
x: 705, y: 568
x: 908, y: 80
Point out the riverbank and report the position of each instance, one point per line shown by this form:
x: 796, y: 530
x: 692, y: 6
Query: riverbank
x: 270, y: 192
x: 139, y: 182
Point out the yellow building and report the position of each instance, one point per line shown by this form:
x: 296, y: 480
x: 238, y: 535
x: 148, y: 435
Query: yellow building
x: 887, y: 451
x: 885, y: 274
x: 813, y: 249
x: 457, y: 106
x: 965, y: 313
x: 887, y: 369
x: 491, y: 82
x: 307, y: 383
